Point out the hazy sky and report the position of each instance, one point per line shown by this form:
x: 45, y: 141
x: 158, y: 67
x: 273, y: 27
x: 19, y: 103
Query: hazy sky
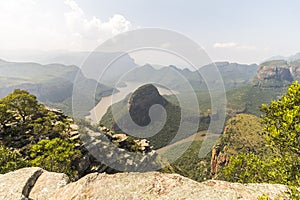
x: 240, y: 31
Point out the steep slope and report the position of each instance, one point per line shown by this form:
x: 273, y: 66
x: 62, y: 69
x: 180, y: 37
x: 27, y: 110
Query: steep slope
x: 242, y: 134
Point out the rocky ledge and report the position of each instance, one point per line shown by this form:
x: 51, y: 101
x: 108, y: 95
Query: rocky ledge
x: 38, y: 184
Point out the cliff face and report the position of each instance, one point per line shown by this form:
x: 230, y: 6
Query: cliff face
x: 277, y: 73
x: 36, y: 183
x: 281, y: 73
x: 295, y: 71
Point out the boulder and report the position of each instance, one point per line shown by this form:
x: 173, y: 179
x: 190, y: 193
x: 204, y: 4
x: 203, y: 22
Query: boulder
x: 17, y: 184
x: 47, y: 185
x: 155, y: 185
x: 38, y: 184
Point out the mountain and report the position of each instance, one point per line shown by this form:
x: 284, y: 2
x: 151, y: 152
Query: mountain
x: 53, y: 84
x: 107, y: 67
x: 138, y: 104
x: 233, y: 75
x: 104, y: 67
x: 277, y: 73
x: 285, y: 58
x: 137, y: 111
x: 141, y: 101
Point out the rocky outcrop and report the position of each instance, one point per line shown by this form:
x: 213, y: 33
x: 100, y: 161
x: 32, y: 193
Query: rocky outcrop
x: 280, y: 73
x: 47, y: 184
x: 18, y: 184
x: 151, y: 185
x: 111, y: 153
x: 141, y: 101
x: 219, y: 158
x: 295, y: 71
x: 277, y: 73
x: 146, y: 107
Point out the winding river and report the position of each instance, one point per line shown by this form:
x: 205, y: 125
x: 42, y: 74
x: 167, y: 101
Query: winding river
x: 101, y: 108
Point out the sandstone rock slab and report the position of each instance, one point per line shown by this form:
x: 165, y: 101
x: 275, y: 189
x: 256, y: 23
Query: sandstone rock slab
x: 17, y: 185
x: 47, y: 184
x: 155, y: 185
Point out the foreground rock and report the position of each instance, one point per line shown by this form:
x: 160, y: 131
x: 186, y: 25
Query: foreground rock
x: 17, y: 184
x: 38, y: 184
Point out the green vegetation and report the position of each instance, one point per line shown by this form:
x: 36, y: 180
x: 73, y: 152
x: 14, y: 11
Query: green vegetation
x: 53, y: 85
x: 248, y: 98
x: 281, y: 133
x: 10, y: 160
x: 275, y: 63
x: 54, y: 155
x: 189, y: 164
x: 242, y: 134
x: 32, y: 135
x: 243, y: 99
x: 174, y: 113
x: 159, y: 140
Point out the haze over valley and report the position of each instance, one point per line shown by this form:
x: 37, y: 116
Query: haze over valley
x: 149, y: 100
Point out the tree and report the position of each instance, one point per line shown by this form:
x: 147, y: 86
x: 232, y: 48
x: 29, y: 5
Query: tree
x: 22, y: 104
x: 282, y: 117
x: 55, y: 155
x: 282, y: 134
x: 5, y: 116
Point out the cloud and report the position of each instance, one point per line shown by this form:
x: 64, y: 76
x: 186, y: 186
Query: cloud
x: 32, y: 24
x: 225, y: 45
x: 91, y: 30
x: 232, y: 45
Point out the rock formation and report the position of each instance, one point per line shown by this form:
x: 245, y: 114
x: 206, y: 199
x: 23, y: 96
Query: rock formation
x: 141, y: 101
x: 38, y: 184
x: 133, y: 114
x: 109, y: 152
x: 277, y: 73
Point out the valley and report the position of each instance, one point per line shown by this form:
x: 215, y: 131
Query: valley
x: 149, y: 100
x: 95, y: 129
x: 101, y: 108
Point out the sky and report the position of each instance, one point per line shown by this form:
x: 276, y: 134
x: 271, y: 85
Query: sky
x: 231, y: 30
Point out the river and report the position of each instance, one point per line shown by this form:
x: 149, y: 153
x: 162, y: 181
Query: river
x: 101, y: 108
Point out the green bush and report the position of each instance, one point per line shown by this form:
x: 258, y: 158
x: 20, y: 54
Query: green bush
x: 55, y: 155
x: 282, y: 135
x: 10, y: 160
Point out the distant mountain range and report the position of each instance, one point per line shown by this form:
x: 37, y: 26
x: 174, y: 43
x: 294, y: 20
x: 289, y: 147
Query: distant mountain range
x: 52, y: 84
x: 286, y: 58
x: 233, y: 75
x: 104, y: 67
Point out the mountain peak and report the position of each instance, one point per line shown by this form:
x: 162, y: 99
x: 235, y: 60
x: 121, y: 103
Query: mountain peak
x: 141, y: 101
